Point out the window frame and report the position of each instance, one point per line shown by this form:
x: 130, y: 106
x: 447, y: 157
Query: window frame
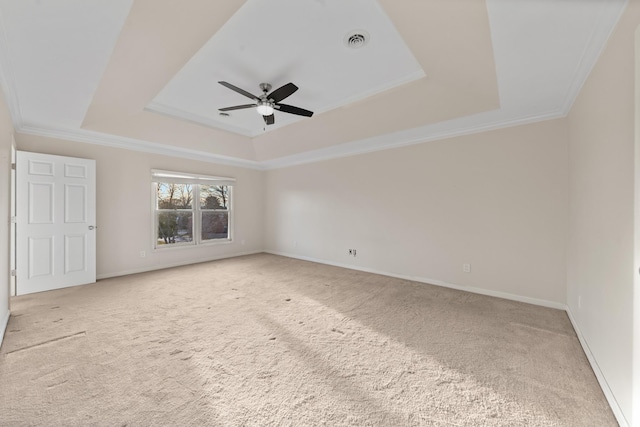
x: 195, y: 180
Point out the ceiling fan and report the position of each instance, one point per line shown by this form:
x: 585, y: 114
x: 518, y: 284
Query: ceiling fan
x: 266, y: 104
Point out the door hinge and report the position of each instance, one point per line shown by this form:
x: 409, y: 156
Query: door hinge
x: 13, y: 273
x: 13, y: 166
x: 14, y: 220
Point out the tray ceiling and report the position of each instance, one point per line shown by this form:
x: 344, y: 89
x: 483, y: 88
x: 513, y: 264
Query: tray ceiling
x: 143, y: 74
x: 289, y: 41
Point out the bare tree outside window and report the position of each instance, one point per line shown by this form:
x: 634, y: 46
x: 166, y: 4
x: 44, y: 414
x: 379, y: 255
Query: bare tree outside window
x: 214, y: 204
x: 214, y: 196
x: 174, y: 196
x: 184, y: 209
x: 175, y: 218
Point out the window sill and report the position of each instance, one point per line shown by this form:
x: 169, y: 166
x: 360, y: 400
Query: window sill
x: 176, y: 246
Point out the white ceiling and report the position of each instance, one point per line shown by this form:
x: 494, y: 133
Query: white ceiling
x: 54, y: 53
x: 56, y: 56
x: 284, y: 41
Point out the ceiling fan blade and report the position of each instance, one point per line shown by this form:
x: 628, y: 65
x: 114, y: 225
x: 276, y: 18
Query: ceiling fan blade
x: 282, y: 92
x: 238, y: 107
x: 269, y: 119
x: 294, y: 110
x: 240, y: 91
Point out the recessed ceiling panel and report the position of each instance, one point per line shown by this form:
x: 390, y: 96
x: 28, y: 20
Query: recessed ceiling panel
x: 92, y: 71
x: 282, y: 41
x: 57, y: 53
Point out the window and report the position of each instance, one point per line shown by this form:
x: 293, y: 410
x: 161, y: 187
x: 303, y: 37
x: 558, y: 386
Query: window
x: 191, y: 209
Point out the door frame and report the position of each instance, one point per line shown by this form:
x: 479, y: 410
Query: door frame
x: 635, y: 354
x: 12, y: 214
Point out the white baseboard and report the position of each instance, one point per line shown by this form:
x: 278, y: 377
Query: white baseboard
x: 177, y: 264
x: 617, y: 411
x: 481, y: 291
x: 3, y: 326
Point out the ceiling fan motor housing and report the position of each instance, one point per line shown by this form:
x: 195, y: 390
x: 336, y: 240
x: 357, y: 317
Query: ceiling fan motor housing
x: 266, y: 87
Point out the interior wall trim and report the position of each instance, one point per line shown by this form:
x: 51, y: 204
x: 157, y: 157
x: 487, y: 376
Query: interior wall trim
x: 441, y: 131
x: 615, y: 407
x: 3, y: 325
x: 602, y: 32
x: 602, y: 380
x: 420, y: 135
x: 98, y: 138
x: 146, y: 269
x: 475, y: 290
x: 457, y: 127
x: 166, y: 110
x: 7, y: 80
x: 169, y: 111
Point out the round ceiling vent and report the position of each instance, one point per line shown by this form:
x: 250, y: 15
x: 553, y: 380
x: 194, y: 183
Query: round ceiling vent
x: 356, y: 39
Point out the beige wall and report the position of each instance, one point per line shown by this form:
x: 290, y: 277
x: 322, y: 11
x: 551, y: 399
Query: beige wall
x: 124, y: 206
x: 542, y: 212
x: 600, y: 252
x: 496, y: 200
x: 6, y: 131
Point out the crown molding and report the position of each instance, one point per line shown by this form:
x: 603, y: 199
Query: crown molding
x: 414, y: 136
x: 598, y: 41
x: 7, y: 81
x: 97, y: 138
x: 483, y: 122
x: 439, y: 131
x: 176, y: 113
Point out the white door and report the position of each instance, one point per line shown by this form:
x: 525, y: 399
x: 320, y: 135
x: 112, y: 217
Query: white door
x: 56, y: 214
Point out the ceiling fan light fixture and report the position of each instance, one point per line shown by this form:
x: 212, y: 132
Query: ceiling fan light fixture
x: 264, y: 108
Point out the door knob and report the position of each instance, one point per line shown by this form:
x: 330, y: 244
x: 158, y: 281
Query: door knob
x: 91, y: 227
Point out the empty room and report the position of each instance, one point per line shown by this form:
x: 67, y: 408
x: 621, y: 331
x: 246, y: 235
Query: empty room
x: 320, y: 213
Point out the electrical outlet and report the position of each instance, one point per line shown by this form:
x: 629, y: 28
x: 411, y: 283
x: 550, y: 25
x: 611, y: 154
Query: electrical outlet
x: 143, y: 254
x: 466, y: 268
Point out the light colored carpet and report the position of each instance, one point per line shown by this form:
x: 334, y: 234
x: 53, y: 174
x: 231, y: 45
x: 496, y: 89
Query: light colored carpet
x: 265, y: 340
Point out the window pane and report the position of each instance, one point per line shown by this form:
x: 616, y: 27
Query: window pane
x: 174, y: 196
x: 175, y: 227
x: 215, y: 225
x: 214, y: 197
